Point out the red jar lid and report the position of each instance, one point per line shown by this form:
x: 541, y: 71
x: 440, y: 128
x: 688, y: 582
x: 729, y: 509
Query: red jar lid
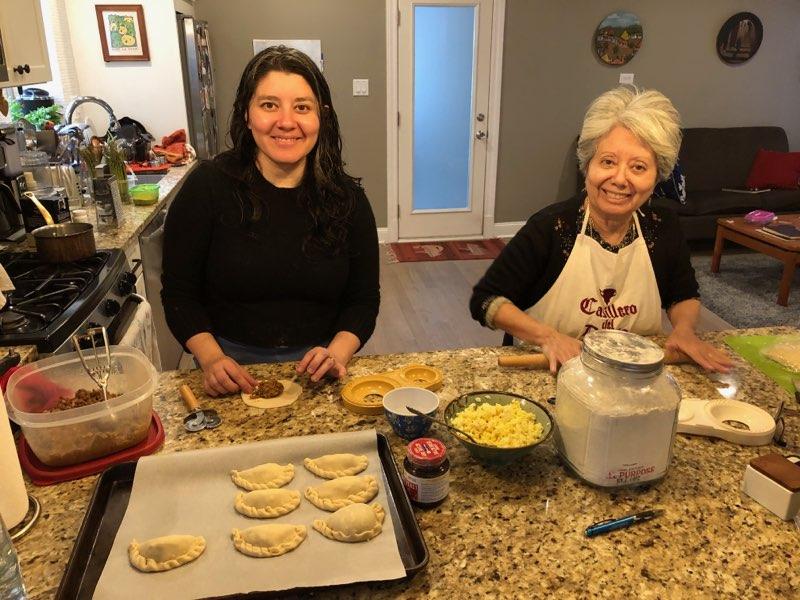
x: 426, y: 452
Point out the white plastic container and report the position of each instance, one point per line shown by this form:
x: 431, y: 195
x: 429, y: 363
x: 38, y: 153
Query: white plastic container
x: 616, y: 410
x: 771, y: 494
x: 80, y: 434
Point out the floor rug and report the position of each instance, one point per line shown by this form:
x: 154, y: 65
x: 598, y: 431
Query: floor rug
x: 450, y: 250
x: 745, y: 290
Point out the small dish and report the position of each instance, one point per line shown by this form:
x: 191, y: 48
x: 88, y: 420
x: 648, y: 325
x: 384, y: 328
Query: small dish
x: 496, y: 454
x: 404, y: 423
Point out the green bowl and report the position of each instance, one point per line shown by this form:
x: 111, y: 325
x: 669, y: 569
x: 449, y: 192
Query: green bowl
x: 494, y: 454
x: 145, y: 193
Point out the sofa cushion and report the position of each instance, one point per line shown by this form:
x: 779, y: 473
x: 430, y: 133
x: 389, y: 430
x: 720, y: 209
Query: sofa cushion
x: 714, y: 158
x: 777, y: 170
x: 726, y: 203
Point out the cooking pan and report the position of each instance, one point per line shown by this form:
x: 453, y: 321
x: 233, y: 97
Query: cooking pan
x: 64, y: 242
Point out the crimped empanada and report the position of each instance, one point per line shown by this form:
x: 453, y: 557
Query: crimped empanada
x: 262, y: 477
x: 166, y: 552
x: 332, y: 466
x: 263, y: 541
x: 336, y: 493
x: 267, y: 504
x: 353, y: 523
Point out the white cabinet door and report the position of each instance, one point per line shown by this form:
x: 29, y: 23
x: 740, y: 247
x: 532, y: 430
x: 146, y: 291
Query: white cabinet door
x: 24, y: 41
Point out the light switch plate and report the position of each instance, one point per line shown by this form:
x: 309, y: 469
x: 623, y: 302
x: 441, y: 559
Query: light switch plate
x: 360, y: 87
x: 626, y: 77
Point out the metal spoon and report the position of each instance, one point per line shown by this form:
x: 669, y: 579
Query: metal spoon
x: 440, y: 422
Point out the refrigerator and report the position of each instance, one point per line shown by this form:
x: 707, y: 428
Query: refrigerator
x: 198, y: 85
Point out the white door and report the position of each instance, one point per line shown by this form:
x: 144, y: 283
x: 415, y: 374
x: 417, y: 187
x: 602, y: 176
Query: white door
x: 444, y: 52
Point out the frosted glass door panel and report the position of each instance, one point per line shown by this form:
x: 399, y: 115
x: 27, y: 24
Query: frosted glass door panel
x: 443, y: 89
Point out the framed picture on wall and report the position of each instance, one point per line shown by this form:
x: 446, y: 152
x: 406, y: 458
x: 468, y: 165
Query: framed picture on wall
x: 739, y: 38
x: 123, y: 34
x: 618, y: 38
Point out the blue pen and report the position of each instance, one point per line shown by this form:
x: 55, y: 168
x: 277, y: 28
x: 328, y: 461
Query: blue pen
x: 621, y: 523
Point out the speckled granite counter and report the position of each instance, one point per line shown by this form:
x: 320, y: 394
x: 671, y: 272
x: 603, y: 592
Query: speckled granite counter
x: 515, y: 531
x: 134, y: 218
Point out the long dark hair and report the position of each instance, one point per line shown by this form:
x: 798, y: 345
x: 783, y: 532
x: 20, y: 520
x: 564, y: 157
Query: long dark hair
x: 325, y: 189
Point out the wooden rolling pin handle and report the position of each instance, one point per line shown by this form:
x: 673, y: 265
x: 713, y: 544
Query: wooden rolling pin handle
x: 539, y: 361
x: 532, y: 361
x: 188, y: 397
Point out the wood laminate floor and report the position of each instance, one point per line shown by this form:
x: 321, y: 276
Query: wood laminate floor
x: 424, y: 306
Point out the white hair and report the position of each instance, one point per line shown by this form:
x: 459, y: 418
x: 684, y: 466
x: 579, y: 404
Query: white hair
x: 649, y: 115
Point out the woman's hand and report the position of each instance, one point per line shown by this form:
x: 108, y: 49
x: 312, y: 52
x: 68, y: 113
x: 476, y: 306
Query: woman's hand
x: 319, y: 362
x: 704, y: 354
x: 558, y: 348
x: 222, y: 376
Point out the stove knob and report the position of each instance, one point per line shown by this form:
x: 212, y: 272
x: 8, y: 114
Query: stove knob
x: 110, y: 308
x: 126, y: 283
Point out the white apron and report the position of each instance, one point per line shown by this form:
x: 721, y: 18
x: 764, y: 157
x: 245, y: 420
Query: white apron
x: 598, y: 289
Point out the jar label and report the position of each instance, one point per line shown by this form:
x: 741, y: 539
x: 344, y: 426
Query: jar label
x: 424, y: 490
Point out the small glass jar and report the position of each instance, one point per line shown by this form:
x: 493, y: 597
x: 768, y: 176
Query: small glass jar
x: 426, y: 472
x: 616, y: 410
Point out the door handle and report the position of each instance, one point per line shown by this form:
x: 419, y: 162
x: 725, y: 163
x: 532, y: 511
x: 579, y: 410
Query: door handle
x: 480, y: 135
x: 20, y: 69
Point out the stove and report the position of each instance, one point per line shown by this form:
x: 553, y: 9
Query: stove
x: 51, y: 302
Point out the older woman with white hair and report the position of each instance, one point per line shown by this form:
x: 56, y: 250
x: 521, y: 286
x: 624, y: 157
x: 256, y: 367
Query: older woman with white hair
x: 605, y: 259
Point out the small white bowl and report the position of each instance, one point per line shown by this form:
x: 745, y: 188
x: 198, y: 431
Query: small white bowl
x: 405, y: 423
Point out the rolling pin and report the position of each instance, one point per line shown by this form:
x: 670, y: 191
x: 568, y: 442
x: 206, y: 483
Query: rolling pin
x: 540, y: 361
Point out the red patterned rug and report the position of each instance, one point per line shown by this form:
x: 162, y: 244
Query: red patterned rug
x: 451, y: 250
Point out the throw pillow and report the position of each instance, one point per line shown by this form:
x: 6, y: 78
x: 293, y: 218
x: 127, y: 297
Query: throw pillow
x: 779, y: 170
x: 674, y: 187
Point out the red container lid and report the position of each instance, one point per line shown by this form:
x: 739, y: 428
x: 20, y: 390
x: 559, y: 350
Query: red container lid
x: 426, y: 452
x: 41, y: 474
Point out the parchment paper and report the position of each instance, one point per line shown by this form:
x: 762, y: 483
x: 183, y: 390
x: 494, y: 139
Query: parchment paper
x: 192, y: 493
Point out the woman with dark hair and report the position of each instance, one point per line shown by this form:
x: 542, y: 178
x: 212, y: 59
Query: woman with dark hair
x: 271, y: 249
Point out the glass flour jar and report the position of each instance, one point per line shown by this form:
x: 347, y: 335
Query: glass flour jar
x: 616, y: 410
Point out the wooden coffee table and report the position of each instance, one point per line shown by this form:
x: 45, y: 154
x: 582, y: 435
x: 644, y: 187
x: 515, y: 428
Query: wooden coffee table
x: 750, y: 236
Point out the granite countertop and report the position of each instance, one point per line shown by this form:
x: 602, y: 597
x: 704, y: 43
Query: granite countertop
x: 26, y: 353
x: 134, y: 218
x: 515, y: 531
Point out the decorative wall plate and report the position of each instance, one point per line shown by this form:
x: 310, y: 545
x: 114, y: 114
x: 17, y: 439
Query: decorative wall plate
x: 617, y: 38
x: 739, y: 38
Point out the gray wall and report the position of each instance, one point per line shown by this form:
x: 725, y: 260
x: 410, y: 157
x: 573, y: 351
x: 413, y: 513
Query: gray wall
x: 353, y: 35
x: 550, y: 75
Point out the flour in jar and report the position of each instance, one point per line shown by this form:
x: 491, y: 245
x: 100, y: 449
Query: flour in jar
x: 612, y: 447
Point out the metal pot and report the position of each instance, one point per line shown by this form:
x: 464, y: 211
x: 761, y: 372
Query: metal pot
x: 64, y: 242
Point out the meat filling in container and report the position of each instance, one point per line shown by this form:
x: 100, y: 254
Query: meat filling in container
x: 75, y: 435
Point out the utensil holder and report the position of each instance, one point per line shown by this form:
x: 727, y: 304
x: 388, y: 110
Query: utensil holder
x: 108, y: 204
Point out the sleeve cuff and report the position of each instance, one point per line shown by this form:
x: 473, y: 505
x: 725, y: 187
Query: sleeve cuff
x: 492, y: 306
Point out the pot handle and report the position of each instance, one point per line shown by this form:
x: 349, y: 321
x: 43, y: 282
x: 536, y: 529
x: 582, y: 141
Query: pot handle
x: 45, y: 214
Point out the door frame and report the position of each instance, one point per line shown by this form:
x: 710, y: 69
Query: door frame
x: 392, y: 108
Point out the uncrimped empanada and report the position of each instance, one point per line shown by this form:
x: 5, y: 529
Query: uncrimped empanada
x: 267, y: 504
x: 336, y: 493
x: 263, y: 541
x: 353, y: 523
x: 332, y: 466
x: 262, y: 477
x: 166, y: 552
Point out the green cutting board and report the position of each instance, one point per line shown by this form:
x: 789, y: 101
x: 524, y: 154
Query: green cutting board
x: 749, y: 347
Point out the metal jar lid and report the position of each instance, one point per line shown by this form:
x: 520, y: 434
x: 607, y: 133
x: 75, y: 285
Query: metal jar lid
x: 623, y: 350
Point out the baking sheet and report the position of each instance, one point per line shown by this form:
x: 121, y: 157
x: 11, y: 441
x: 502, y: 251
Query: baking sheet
x: 191, y: 492
x: 749, y: 347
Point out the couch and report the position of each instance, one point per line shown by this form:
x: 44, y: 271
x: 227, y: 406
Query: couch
x: 716, y: 158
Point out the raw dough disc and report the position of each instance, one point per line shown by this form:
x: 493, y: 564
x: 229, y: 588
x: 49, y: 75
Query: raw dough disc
x: 291, y: 392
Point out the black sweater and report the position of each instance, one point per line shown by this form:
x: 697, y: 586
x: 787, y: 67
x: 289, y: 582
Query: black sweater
x: 251, y: 282
x: 534, y: 258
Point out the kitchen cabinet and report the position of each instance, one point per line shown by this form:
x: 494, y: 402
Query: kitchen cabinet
x: 23, y: 47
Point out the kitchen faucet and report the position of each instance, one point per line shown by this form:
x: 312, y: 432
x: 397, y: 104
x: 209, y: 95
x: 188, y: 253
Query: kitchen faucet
x: 113, y: 124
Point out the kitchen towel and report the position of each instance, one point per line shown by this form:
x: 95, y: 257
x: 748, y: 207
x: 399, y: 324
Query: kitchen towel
x: 191, y: 492
x: 140, y: 332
